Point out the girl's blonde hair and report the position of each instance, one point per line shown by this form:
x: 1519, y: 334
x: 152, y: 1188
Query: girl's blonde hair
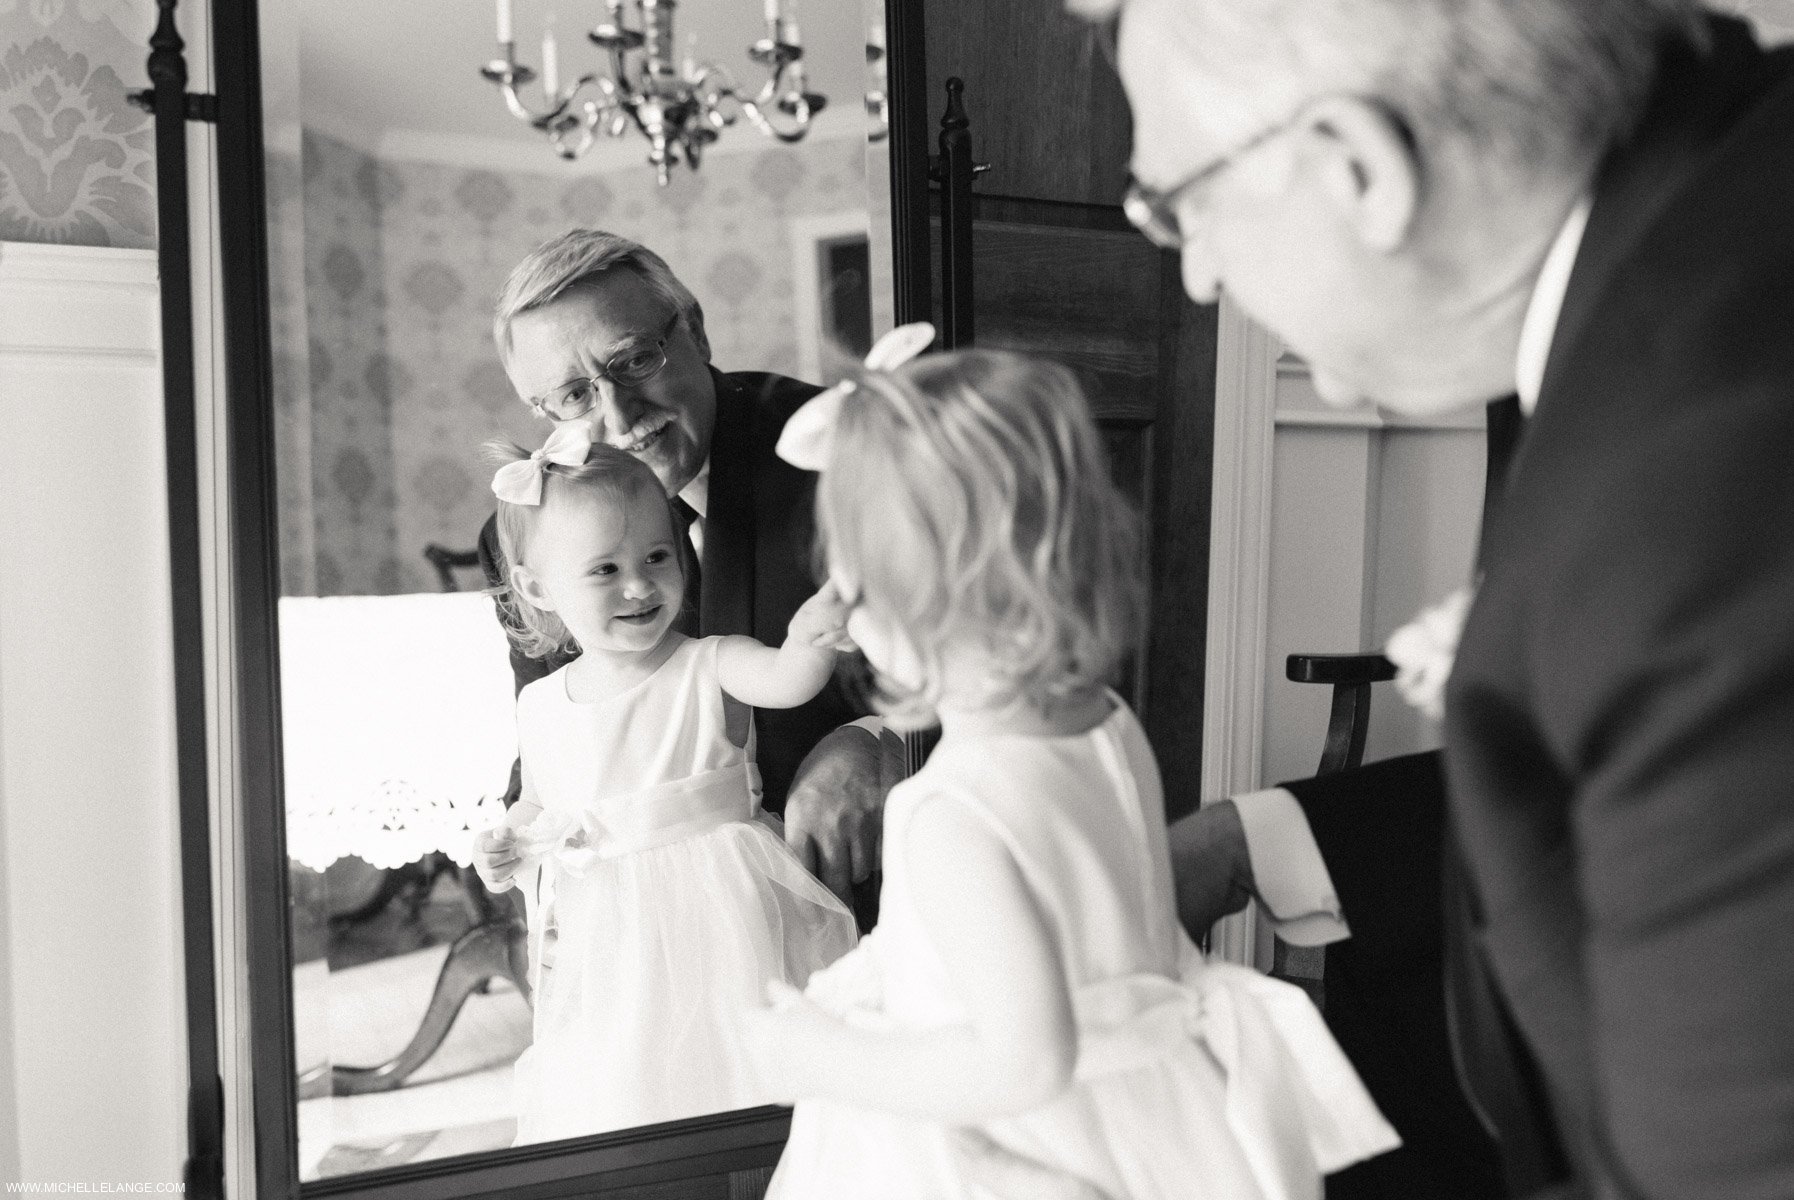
x: 968, y: 495
x: 612, y: 473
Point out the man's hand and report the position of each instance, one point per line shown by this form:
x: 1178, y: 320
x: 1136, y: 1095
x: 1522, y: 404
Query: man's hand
x: 835, y: 810
x: 1210, y: 866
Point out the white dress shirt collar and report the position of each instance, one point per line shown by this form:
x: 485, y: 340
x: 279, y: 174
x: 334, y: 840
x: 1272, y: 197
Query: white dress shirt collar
x: 697, y: 492
x: 1540, y: 324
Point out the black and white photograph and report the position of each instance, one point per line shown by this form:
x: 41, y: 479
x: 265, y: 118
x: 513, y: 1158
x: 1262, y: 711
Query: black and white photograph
x: 897, y: 599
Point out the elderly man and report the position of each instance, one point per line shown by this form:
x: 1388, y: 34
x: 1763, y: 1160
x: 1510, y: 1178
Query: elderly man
x: 1589, y: 202
x: 595, y: 328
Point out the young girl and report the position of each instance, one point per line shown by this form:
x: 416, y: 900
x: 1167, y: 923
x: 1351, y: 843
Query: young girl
x: 1028, y: 1019
x: 659, y: 907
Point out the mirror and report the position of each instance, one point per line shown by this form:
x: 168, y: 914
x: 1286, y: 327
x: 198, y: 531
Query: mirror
x: 399, y: 194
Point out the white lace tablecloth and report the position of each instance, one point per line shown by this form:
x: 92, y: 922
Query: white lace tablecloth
x: 398, y: 724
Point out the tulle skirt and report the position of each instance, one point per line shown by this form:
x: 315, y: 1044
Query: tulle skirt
x: 647, y: 962
x: 1220, y: 1085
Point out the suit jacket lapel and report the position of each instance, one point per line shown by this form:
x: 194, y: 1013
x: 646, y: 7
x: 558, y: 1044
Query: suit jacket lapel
x: 727, y: 602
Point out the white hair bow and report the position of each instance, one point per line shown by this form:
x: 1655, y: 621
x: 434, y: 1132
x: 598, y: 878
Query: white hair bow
x: 520, y: 482
x: 808, y: 436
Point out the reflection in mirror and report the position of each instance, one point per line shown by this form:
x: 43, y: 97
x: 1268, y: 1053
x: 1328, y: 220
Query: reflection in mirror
x: 400, y: 194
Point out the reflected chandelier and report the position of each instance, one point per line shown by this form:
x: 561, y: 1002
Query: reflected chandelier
x: 679, y: 107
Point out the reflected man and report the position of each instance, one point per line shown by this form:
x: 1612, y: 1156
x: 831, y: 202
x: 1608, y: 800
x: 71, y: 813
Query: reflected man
x: 595, y: 328
x: 1437, y: 203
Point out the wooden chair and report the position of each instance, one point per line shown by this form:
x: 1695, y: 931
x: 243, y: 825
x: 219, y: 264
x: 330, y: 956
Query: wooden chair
x: 1348, y: 724
x: 447, y: 562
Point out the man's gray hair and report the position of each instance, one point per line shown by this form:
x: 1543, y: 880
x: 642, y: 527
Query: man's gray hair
x: 1543, y: 84
x: 580, y: 256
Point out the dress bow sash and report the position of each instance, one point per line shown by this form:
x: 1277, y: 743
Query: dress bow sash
x: 577, y: 840
x: 1307, y: 1114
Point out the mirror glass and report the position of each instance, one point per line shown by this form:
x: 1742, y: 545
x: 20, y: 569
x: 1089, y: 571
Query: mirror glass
x: 400, y: 193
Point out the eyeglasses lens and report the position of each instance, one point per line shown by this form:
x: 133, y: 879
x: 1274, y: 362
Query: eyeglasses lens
x: 637, y: 365
x: 629, y: 368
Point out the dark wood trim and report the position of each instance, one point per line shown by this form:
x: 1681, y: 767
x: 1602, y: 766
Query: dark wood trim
x: 255, y: 583
x: 705, y: 1147
x: 954, y: 174
x: 697, y: 1148
x: 168, y: 100
x: 907, y: 75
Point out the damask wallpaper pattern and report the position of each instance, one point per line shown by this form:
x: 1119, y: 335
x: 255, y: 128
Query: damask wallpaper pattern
x: 389, y: 379
x: 76, y: 160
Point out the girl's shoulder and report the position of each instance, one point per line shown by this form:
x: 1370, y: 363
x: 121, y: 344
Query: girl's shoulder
x: 993, y: 761
x: 549, y: 690
x: 1026, y: 786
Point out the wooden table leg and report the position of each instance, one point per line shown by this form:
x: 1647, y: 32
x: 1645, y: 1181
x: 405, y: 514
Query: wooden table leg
x: 496, y: 947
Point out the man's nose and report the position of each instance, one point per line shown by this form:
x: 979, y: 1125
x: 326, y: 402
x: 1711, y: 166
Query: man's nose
x: 616, y: 408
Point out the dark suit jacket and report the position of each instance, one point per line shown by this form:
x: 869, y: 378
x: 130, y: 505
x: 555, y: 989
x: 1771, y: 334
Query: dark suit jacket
x: 757, y: 565
x: 1620, y: 722
x: 1620, y: 718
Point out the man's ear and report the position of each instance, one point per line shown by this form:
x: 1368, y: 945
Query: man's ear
x: 527, y: 585
x: 1370, y: 169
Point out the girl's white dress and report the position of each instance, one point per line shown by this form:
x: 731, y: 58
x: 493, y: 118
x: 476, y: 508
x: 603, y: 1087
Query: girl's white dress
x: 1192, y: 1079
x: 660, y: 906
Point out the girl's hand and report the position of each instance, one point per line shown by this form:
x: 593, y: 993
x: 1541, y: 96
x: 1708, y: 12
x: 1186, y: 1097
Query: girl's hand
x: 496, y: 858
x: 821, y: 622
x: 779, y: 1036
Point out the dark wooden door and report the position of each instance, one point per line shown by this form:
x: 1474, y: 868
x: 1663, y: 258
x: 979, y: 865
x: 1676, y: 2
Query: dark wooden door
x: 1058, y: 271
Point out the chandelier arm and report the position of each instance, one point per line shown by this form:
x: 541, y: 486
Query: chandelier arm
x: 515, y: 103
x: 546, y: 118
x: 584, y: 125
x: 765, y: 125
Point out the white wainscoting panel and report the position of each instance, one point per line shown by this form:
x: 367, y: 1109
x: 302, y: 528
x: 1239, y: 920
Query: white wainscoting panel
x: 93, y: 1037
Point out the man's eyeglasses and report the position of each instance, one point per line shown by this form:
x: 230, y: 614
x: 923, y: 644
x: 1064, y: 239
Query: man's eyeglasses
x: 1154, y: 213
x: 628, y: 367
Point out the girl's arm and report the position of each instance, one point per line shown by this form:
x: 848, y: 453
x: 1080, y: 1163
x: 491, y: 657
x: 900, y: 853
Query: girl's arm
x: 763, y: 677
x: 1018, y: 1046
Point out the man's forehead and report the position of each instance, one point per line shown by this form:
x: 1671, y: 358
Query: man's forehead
x: 1187, y: 107
x: 616, y: 305
x: 592, y: 318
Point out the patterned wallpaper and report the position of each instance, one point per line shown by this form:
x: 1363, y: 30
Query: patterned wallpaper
x: 385, y: 273
x: 76, y: 160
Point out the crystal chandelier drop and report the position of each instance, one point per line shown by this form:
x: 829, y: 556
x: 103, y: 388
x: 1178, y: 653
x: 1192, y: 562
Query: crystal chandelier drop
x: 679, y: 107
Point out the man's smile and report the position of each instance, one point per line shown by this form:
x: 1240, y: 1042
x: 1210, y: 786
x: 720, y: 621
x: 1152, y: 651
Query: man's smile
x: 646, y: 434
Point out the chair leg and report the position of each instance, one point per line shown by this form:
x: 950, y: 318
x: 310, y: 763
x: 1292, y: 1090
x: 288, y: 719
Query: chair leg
x: 493, y: 948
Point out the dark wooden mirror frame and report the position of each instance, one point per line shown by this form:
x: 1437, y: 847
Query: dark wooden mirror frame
x: 654, y: 1157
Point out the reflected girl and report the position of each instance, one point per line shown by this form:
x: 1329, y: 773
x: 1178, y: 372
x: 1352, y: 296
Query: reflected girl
x: 660, y: 907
